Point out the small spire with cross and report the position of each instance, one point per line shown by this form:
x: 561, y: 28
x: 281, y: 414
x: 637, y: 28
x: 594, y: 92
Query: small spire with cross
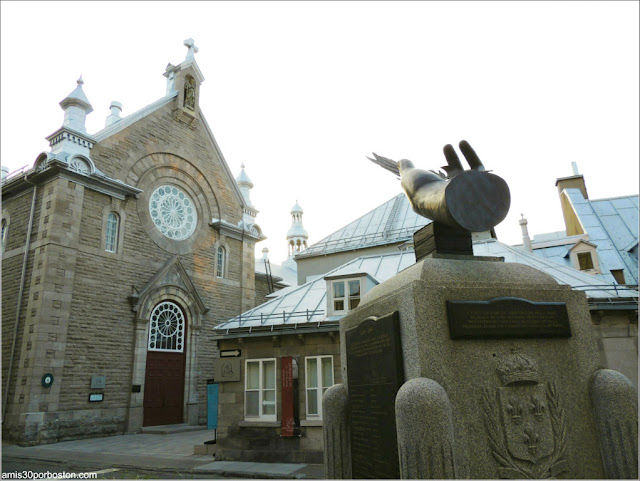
x: 80, y: 81
x: 190, y: 44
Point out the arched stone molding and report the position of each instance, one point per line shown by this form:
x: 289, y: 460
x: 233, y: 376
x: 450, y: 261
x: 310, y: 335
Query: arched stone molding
x: 173, y: 284
x: 81, y: 159
x: 159, y: 169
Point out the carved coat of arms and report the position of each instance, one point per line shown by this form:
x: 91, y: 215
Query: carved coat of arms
x: 525, y: 422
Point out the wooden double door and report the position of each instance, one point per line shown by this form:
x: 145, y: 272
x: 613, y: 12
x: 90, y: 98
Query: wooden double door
x: 164, y: 388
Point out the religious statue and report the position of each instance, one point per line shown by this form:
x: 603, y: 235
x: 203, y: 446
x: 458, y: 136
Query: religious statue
x: 190, y: 93
x: 474, y: 200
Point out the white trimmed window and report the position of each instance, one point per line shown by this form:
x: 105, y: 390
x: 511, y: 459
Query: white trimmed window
x: 319, y: 378
x: 4, y: 235
x: 220, y: 260
x: 345, y: 295
x: 166, y: 328
x: 111, y: 236
x: 260, y: 390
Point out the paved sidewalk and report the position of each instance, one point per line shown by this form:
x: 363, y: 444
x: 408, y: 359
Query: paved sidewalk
x: 158, y: 451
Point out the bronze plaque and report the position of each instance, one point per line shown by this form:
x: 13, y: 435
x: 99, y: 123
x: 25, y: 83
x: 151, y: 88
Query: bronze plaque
x: 507, y: 317
x: 374, y: 370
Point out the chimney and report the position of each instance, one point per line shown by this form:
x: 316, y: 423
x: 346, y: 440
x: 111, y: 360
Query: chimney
x: 576, y: 181
x: 116, y: 109
x: 526, y: 240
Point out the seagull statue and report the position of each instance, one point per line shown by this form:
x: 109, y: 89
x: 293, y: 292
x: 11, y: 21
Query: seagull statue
x: 475, y: 200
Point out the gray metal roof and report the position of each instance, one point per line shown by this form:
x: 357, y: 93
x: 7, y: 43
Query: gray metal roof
x: 594, y: 286
x: 612, y: 225
x: 393, y: 221
x: 288, y: 275
x: 305, y: 305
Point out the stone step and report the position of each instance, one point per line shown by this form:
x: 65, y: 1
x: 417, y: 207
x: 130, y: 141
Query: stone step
x: 171, y: 429
x: 204, y: 449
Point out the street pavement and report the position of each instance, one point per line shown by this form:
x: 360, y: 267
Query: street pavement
x: 170, y: 452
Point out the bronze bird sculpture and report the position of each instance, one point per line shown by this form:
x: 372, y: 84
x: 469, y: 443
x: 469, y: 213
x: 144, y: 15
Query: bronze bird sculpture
x: 474, y: 200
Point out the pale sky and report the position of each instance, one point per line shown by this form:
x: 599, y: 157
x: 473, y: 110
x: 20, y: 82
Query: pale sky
x: 302, y: 92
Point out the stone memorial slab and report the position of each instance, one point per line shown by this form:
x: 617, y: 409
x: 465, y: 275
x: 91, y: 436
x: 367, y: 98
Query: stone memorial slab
x: 507, y: 317
x: 374, y: 369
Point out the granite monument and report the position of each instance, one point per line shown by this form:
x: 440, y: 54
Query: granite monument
x: 470, y: 367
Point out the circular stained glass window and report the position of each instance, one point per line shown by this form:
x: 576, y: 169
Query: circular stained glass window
x: 166, y: 328
x: 173, y: 212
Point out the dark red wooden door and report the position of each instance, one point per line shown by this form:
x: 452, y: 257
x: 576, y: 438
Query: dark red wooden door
x: 164, y: 388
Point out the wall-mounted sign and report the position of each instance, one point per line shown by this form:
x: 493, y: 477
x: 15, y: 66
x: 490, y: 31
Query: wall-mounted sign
x: 96, y: 397
x: 98, y: 382
x: 226, y: 370
x: 135, y: 387
x: 231, y: 353
x: 47, y: 380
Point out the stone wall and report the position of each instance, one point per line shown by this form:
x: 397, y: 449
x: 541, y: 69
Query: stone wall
x: 76, y: 319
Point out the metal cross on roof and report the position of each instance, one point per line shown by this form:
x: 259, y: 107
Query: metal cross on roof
x: 190, y: 44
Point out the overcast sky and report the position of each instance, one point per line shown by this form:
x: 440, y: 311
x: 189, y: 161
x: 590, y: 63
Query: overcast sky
x: 302, y: 92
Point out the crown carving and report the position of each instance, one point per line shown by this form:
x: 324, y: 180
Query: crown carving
x: 517, y: 368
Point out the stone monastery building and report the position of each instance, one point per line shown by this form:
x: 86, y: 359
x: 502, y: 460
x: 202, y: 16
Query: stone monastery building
x: 121, y: 251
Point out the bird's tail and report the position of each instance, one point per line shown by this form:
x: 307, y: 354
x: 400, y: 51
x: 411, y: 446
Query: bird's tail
x: 388, y: 164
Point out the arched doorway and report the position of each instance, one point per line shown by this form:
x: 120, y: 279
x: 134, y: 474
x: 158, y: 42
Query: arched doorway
x: 165, y: 368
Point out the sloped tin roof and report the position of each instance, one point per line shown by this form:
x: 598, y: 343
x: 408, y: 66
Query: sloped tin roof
x: 393, y: 221
x: 306, y: 304
x: 612, y: 225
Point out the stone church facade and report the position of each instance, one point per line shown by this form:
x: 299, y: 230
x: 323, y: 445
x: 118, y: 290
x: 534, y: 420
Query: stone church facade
x: 121, y: 251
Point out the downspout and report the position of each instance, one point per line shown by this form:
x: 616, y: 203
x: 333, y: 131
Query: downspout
x: 242, y: 269
x: 27, y: 246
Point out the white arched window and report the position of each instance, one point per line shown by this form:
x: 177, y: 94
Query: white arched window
x: 4, y: 234
x: 111, y: 235
x: 166, y: 328
x: 220, y: 261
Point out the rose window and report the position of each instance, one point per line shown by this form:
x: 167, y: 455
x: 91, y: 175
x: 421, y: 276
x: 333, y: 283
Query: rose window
x: 166, y: 328
x: 173, y: 212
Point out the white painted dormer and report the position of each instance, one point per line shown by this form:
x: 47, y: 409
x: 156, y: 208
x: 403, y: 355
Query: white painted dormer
x: 344, y: 292
x: 584, y: 257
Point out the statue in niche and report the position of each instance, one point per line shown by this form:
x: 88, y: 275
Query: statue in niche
x: 190, y: 93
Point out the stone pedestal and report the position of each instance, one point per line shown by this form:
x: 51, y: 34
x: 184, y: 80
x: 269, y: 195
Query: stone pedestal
x: 516, y: 392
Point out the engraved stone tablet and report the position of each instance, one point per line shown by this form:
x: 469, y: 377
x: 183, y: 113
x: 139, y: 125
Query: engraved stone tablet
x: 374, y: 370
x: 507, y: 317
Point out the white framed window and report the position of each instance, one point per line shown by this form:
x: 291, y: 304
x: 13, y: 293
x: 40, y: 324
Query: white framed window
x: 220, y: 260
x: 166, y: 328
x: 585, y: 261
x: 260, y: 390
x: 319, y: 378
x: 111, y: 235
x: 4, y: 235
x: 345, y: 294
